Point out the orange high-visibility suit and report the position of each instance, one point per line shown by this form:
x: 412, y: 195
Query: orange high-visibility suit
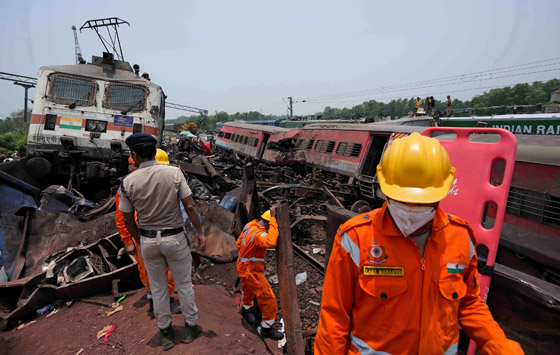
x: 128, y: 240
x: 380, y: 295
x: 252, y: 245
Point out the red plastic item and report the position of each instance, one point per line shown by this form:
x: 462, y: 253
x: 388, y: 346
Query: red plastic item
x: 473, y: 188
x: 109, y: 332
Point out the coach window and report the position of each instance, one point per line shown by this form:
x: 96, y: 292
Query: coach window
x: 323, y: 146
x: 125, y: 97
x: 256, y: 142
x: 245, y: 139
x: 306, y: 144
x: 347, y: 149
x: 220, y: 135
x: 71, y: 90
x: 227, y: 136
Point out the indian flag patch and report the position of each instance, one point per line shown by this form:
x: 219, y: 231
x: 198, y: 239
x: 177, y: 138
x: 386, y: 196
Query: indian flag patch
x: 455, y: 266
x: 70, y: 123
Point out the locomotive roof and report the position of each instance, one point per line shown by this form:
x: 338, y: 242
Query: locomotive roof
x: 96, y: 72
x: 375, y: 127
x: 264, y: 128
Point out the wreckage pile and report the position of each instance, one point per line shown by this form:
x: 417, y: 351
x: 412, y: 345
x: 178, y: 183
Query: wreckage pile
x: 63, y: 246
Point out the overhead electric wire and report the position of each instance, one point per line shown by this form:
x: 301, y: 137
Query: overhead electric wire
x: 455, y: 79
x: 328, y: 100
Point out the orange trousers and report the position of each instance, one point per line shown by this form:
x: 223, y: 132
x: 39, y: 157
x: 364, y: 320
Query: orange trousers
x: 144, y: 273
x: 255, y: 284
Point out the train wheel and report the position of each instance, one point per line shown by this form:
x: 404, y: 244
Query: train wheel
x: 38, y: 167
x: 360, y: 206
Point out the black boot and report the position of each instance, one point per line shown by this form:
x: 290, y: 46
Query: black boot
x: 248, y: 315
x: 190, y: 333
x: 166, y: 335
x: 271, y: 333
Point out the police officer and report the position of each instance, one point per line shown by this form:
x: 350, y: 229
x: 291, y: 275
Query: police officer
x: 402, y: 278
x: 155, y: 191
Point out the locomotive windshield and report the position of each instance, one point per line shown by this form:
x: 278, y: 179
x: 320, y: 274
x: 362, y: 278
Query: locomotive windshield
x: 125, y: 97
x: 71, y: 89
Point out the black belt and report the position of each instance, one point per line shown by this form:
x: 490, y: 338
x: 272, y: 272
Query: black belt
x: 152, y: 233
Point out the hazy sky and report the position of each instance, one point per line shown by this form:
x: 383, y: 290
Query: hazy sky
x: 251, y: 55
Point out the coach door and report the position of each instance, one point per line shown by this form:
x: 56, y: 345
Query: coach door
x: 373, y: 156
x: 263, y: 145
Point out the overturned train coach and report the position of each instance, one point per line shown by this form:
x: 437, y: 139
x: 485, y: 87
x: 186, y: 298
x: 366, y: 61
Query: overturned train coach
x: 83, y: 113
x: 343, y: 156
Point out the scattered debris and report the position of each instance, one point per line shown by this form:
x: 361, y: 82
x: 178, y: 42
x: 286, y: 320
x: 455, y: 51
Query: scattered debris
x: 54, y: 311
x: 273, y: 279
x: 118, y: 309
x: 21, y: 326
x: 106, y: 331
x: 301, y: 278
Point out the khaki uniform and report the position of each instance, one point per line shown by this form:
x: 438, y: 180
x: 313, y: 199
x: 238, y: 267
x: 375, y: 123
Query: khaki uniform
x: 155, y: 191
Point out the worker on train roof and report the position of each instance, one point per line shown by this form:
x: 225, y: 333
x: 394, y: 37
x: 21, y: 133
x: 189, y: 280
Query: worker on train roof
x: 401, y: 279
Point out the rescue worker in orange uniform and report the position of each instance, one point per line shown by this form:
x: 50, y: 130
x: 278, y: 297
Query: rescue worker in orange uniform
x: 131, y: 246
x: 256, y: 238
x: 401, y: 279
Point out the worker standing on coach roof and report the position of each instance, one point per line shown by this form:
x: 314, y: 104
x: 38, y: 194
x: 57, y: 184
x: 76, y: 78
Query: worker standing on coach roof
x: 401, y: 279
x: 418, y: 104
x: 256, y: 238
x: 155, y: 191
x: 132, y: 247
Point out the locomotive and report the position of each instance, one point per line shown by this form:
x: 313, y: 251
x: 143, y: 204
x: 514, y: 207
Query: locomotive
x: 82, y: 115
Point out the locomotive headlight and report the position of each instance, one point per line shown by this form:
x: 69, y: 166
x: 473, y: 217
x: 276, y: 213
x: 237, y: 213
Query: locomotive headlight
x: 91, y: 125
x: 50, y: 122
x: 101, y: 126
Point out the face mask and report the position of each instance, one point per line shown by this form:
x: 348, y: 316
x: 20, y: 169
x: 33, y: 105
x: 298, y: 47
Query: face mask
x: 409, y: 218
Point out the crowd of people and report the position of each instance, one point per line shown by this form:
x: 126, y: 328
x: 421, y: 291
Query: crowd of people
x: 430, y: 104
x: 6, y: 159
x: 401, y: 279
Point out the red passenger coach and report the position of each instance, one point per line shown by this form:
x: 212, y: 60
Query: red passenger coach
x: 246, y: 139
x: 352, y: 150
x: 348, y: 153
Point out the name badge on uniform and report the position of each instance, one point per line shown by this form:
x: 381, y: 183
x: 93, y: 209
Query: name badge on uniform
x: 383, y: 270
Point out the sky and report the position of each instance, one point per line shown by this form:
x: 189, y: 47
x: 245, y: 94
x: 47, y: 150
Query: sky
x: 239, y: 56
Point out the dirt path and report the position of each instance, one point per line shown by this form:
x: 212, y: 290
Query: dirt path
x: 75, y: 328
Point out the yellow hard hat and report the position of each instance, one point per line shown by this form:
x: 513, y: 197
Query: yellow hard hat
x: 266, y: 216
x: 415, y: 169
x: 161, y: 157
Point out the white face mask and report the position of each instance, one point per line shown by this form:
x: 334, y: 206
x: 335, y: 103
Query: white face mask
x: 410, y: 218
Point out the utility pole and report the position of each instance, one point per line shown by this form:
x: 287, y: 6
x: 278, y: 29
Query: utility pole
x: 26, y: 87
x: 291, y: 108
x: 24, y: 81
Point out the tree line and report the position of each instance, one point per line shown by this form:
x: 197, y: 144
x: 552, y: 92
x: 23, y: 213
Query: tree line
x: 13, y: 130
x: 13, y: 134
x: 520, y: 94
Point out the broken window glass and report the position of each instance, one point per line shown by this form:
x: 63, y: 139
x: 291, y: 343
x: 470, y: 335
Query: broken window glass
x: 125, y: 97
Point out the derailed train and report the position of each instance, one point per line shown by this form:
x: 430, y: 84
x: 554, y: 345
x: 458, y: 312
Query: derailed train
x: 344, y: 158
x: 83, y: 113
